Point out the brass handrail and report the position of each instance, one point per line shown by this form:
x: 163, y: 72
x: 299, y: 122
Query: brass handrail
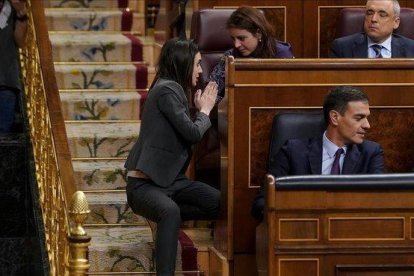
x: 54, y: 171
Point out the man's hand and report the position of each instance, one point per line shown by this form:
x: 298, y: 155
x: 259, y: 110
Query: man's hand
x: 205, y: 101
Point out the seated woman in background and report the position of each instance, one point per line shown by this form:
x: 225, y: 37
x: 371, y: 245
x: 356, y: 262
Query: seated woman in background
x: 253, y: 37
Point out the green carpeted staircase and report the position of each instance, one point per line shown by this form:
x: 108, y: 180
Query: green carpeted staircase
x: 104, y: 63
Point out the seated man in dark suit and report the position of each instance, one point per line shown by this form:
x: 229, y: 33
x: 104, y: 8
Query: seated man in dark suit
x: 340, y: 150
x: 382, y: 17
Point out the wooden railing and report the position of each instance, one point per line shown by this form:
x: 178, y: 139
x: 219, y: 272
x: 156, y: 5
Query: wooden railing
x: 54, y: 171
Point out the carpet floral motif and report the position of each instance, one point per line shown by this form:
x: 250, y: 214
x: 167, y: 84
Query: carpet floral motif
x: 93, y: 24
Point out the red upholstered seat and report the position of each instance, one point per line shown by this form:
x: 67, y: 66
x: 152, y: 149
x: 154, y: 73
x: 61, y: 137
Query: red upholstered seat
x: 208, y: 29
x: 351, y: 20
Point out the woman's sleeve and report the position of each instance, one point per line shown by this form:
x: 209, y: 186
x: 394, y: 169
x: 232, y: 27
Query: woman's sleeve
x: 218, y: 75
x: 177, y: 114
x: 284, y: 50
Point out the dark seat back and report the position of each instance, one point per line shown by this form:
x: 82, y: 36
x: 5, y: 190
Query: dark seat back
x: 369, y: 182
x: 351, y: 21
x: 208, y: 29
x: 289, y: 125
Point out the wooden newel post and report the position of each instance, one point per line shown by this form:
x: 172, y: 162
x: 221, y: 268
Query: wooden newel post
x: 79, y: 241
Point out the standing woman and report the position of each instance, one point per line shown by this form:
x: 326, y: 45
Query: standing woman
x: 157, y: 187
x: 253, y: 37
x: 13, y: 28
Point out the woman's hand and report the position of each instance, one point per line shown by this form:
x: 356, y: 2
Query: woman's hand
x: 205, y: 101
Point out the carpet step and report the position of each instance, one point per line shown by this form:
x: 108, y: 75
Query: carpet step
x: 95, y: 47
x: 101, y: 75
x: 151, y: 71
x: 100, y: 105
x: 99, y: 174
x: 131, y: 249
x: 202, y: 240
x: 111, y: 208
x: 119, y: 249
x: 95, y: 20
x: 149, y: 53
x: 137, y: 5
x: 201, y: 237
x: 101, y: 139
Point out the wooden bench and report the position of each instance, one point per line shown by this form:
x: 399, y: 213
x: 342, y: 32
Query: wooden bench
x: 256, y: 90
x: 338, y: 225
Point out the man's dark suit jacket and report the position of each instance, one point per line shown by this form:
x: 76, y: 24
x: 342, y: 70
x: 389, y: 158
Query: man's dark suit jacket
x: 167, y: 132
x: 304, y: 157
x: 356, y: 46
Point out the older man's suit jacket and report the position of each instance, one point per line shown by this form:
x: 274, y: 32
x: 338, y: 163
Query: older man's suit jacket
x: 304, y: 157
x: 356, y: 46
x: 167, y: 132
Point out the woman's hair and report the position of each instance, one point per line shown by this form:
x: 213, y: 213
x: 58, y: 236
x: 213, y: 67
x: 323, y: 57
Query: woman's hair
x: 176, y: 62
x: 254, y: 21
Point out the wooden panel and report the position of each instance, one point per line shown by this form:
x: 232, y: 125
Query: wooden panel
x: 341, y: 201
x: 258, y: 89
x: 277, y: 18
x: 388, y: 126
x: 327, y: 24
x: 218, y: 265
x: 298, y: 229
x: 298, y: 267
x: 411, y: 228
x: 383, y: 270
x: 203, y: 261
x: 245, y: 264
x: 365, y: 229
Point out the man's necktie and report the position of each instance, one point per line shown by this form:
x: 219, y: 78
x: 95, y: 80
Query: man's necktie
x: 377, y: 49
x: 336, y: 169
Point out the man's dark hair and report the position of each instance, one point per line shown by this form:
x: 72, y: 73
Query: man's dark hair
x: 338, y: 99
x: 176, y: 62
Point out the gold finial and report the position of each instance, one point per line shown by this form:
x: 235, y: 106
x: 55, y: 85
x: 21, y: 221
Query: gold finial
x: 78, y: 211
x: 270, y: 179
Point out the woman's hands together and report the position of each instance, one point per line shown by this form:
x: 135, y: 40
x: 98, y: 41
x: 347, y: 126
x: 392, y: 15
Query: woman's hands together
x: 205, y: 101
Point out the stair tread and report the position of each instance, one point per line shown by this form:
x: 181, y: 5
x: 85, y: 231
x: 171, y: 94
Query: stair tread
x: 101, y: 75
x: 103, y: 237
x: 99, y: 174
x: 124, y: 235
x: 103, y: 95
x: 77, y: 38
x: 68, y: 12
x: 108, y: 129
x: 110, y: 245
x: 106, y: 197
x: 101, y: 106
x: 111, y: 208
x: 64, y: 5
x: 68, y: 67
x: 104, y: 4
x: 201, y: 237
x: 98, y: 164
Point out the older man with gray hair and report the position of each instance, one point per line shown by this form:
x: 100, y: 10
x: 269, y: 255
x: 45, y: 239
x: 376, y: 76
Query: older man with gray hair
x: 382, y: 17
